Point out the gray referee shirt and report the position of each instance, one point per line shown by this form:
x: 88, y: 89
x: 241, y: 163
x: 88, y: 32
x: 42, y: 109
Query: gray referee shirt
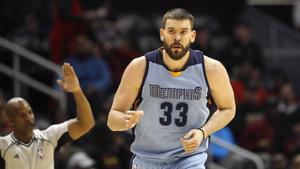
x: 37, y: 154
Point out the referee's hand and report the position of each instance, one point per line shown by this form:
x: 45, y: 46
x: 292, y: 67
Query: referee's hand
x: 132, y: 118
x: 70, y: 81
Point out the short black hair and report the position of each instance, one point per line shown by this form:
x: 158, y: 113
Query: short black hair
x: 178, y: 14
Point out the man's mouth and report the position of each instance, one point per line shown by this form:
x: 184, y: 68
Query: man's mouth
x: 31, y: 124
x: 176, y: 46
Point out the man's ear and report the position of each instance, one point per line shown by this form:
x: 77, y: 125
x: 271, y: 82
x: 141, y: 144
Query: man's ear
x: 9, y: 122
x: 161, y: 34
x: 193, y: 36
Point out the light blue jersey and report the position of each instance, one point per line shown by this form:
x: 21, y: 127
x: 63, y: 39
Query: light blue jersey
x: 173, y: 104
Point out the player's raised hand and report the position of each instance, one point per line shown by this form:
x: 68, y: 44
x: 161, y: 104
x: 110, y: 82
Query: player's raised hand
x: 191, y: 140
x: 132, y: 118
x: 70, y: 81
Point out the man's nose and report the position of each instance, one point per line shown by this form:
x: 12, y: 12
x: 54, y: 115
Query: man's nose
x: 29, y: 117
x: 177, y: 37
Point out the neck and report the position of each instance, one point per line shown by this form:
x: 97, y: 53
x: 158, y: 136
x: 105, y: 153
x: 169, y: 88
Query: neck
x: 175, y: 65
x: 23, y: 137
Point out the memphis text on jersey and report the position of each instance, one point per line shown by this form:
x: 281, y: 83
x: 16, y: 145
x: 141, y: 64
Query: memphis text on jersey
x: 175, y: 93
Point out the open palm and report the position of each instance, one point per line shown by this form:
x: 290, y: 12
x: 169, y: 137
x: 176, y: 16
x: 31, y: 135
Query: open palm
x: 70, y: 81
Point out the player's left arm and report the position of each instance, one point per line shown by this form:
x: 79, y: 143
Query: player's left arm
x: 85, y: 119
x: 222, y: 94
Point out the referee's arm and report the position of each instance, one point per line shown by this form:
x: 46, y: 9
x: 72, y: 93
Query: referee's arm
x: 85, y: 119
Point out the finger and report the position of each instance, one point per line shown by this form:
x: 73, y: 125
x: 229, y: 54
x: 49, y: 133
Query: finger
x: 188, y: 143
x: 187, y: 150
x: 63, y: 70
x: 60, y: 83
x: 72, y: 71
x: 140, y: 113
x: 130, y: 112
x: 183, y: 141
x: 128, y: 120
x: 67, y: 69
x: 189, y: 135
x: 136, y: 115
x: 191, y: 149
x: 132, y: 125
x: 184, y: 145
x: 191, y: 146
x: 127, y: 123
x: 128, y: 116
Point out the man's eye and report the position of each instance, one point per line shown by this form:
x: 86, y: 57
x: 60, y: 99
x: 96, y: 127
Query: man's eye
x: 171, y: 31
x: 183, y: 32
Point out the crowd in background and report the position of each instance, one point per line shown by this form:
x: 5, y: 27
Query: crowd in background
x: 100, y: 41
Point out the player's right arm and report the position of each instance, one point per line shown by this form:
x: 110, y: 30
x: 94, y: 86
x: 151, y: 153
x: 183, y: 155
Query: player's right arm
x: 119, y: 117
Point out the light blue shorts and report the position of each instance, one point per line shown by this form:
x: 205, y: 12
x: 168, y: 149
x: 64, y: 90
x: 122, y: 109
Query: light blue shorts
x: 196, y: 161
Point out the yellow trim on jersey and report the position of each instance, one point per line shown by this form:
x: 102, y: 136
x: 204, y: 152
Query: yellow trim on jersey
x: 175, y: 74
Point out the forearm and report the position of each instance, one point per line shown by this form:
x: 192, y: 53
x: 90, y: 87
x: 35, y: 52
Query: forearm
x: 84, y: 112
x: 116, y: 121
x: 218, y: 120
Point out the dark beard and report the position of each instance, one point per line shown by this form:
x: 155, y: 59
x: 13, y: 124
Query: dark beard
x: 176, y: 55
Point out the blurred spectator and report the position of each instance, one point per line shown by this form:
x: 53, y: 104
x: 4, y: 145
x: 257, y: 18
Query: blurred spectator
x: 292, y: 143
x: 243, y: 49
x: 4, y: 127
x: 296, y: 15
x: 219, y: 153
x: 120, y: 57
x: 203, y: 42
x: 108, y: 156
x: 274, y: 80
x: 67, y: 23
x: 70, y: 156
x: 13, y: 13
x: 250, y: 95
x: 296, y: 162
x: 259, y: 134
x: 70, y: 18
x: 31, y: 36
x: 236, y: 161
x: 279, y: 161
x: 288, y: 104
x: 92, y: 71
x: 80, y: 160
x: 290, y: 114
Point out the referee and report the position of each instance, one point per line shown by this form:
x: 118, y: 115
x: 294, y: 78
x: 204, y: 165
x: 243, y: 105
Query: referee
x: 30, y: 148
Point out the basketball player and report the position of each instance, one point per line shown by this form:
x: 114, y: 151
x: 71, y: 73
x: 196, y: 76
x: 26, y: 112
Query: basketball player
x: 30, y: 148
x: 168, y: 89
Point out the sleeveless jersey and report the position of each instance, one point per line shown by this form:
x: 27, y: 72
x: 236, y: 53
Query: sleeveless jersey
x: 173, y: 104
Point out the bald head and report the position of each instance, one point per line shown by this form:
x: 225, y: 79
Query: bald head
x: 16, y: 105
